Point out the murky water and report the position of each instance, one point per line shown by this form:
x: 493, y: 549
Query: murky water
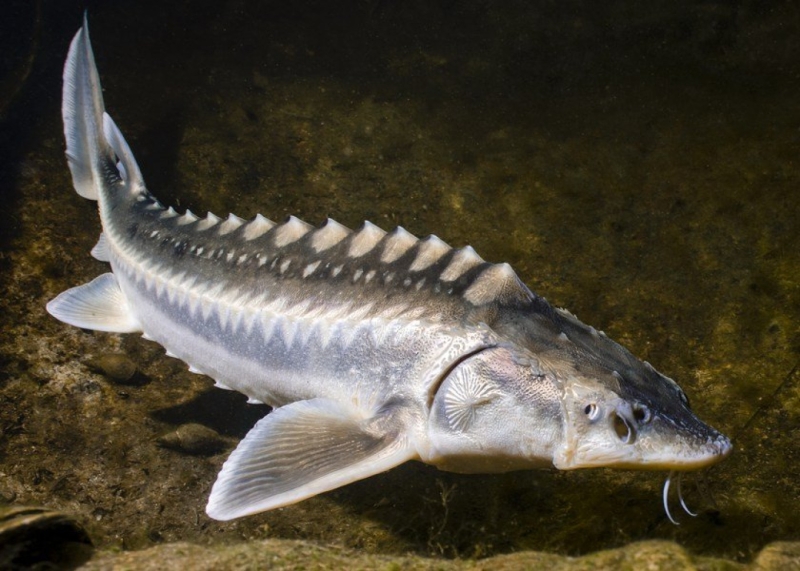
x: 635, y: 164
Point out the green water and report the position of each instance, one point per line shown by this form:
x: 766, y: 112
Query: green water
x: 637, y: 165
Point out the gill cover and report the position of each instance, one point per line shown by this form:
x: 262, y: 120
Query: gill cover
x: 495, y: 411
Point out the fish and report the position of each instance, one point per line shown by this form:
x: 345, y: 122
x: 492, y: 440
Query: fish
x: 373, y: 348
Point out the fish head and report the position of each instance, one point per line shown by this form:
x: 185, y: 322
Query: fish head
x: 617, y: 411
x: 638, y: 420
x: 495, y: 411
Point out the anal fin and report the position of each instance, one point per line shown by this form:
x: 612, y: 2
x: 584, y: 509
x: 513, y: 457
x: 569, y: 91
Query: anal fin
x: 301, y: 450
x: 98, y: 305
x: 100, y: 250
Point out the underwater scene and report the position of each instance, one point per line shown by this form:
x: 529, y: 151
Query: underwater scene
x: 635, y: 163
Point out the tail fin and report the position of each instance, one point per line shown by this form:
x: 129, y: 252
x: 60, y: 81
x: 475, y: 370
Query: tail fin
x: 94, y: 145
x: 93, y: 141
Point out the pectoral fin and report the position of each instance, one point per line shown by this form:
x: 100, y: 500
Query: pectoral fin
x: 98, y: 305
x: 303, y: 449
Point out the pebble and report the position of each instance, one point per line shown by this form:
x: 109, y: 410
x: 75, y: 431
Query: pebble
x: 194, y: 439
x: 116, y: 367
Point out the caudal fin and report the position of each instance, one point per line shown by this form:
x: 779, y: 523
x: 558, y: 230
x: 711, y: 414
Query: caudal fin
x: 94, y: 144
x: 101, y: 163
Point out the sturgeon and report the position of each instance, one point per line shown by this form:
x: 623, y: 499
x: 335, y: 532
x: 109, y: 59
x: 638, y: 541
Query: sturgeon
x: 372, y: 347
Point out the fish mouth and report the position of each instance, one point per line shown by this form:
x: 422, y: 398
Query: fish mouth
x: 681, y: 446
x: 685, y: 458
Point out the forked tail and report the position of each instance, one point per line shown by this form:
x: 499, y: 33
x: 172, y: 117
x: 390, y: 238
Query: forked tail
x: 98, y: 156
x: 102, y: 166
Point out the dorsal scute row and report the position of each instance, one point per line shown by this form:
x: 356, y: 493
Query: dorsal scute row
x: 366, y: 251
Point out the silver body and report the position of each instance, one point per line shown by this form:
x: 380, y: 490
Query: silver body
x: 373, y: 347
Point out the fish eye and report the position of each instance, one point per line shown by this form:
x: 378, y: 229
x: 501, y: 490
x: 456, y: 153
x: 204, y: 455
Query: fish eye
x: 642, y: 414
x: 623, y: 429
x: 592, y: 411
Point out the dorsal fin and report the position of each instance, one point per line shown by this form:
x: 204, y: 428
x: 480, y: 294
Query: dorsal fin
x: 127, y: 166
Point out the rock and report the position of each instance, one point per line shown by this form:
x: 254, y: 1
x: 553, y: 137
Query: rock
x: 286, y: 554
x: 195, y: 439
x: 778, y: 555
x: 40, y: 538
x: 117, y: 367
